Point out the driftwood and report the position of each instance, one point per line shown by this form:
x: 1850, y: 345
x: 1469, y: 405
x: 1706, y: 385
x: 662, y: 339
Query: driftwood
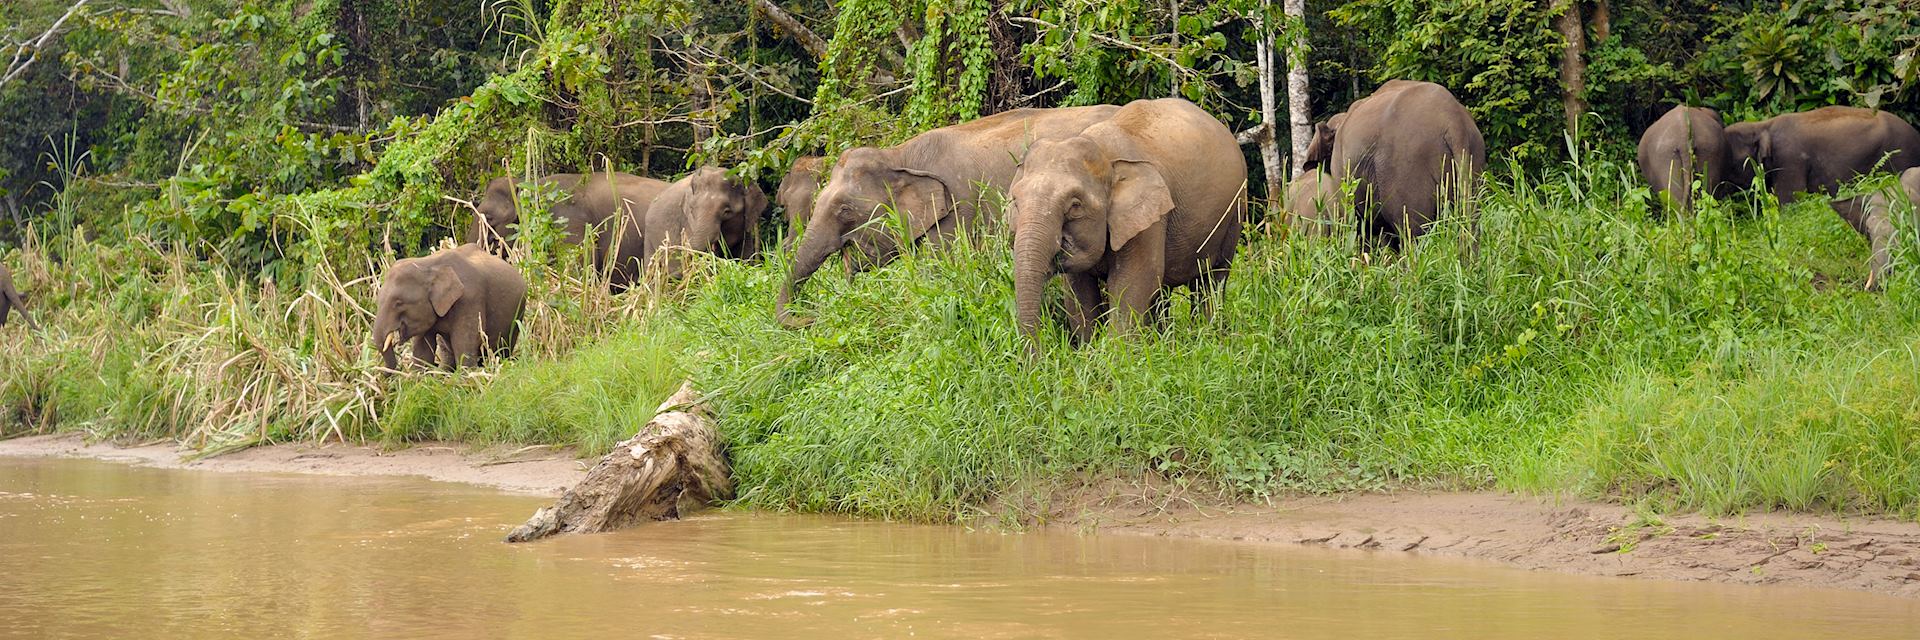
x: 675, y: 464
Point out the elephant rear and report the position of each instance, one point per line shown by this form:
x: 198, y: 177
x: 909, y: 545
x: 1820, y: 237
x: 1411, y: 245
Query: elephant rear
x: 505, y: 291
x: 1409, y: 146
x: 1686, y: 143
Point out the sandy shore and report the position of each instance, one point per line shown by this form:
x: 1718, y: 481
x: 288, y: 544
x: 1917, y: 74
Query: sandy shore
x: 1551, y: 534
x: 1544, y: 533
x: 537, y: 471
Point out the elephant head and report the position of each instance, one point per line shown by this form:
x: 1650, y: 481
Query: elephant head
x: 412, y: 299
x: 1749, y: 148
x: 723, y: 214
x: 866, y: 186
x: 1073, y: 202
x: 1320, y: 150
x: 497, y: 213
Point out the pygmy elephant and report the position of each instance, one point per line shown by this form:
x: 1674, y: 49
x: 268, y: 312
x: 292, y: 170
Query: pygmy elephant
x: 1815, y: 151
x: 1879, y: 209
x: 465, y: 296
x: 1149, y: 199
x: 1313, y: 204
x: 1686, y: 143
x: 1408, y: 148
x: 591, y: 201
x: 705, y: 211
x: 936, y: 183
x: 11, y: 298
x: 797, y: 190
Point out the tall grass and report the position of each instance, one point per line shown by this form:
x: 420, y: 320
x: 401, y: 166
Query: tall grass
x: 1722, y: 361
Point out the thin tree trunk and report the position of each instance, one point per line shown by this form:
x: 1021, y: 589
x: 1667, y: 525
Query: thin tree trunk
x: 814, y: 44
x: 1299, y: 101
x: 1269, y: 117
x: 1601, y: 22
x: 1573, y: 66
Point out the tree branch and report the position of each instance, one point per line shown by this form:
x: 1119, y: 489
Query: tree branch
x: 808, y: 40
x: 17, y: 66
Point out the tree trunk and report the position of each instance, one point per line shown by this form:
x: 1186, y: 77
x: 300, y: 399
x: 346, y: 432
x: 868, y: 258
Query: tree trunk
x: 1269, y: 119
x: 1601, y: 22
x: 1299, y: 101
x: 673, y: 465
x: 1573, y: 65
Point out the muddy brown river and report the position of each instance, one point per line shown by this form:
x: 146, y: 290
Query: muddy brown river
x: 101, y: 550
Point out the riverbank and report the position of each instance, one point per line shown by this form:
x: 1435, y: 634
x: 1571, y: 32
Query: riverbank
x: 1531, y: 532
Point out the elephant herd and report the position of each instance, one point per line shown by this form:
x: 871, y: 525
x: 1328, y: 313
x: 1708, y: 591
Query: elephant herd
x: 1812, y: 152
x: 1124, y: 203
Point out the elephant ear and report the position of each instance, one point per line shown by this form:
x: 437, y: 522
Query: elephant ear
x: 1320, y: 150
x: 924, y: 198
x: 1139, y: 200
x: 1764, y: 146
x: 443, y: 289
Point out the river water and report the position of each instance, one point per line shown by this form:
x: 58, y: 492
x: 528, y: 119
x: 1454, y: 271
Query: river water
x: 101, y: 550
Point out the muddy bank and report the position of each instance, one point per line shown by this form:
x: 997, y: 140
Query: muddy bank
x: 1542, y: 533
x: 536, y: 470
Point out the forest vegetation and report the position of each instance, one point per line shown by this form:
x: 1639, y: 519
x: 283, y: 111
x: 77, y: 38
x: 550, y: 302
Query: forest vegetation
x: 199, y: 197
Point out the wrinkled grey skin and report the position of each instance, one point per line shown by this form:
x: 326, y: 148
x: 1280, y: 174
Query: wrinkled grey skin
x: 1816, y: 151
x: 1313, y: 205
x: 1685, y: 143
x: 464, y: 296
x: 1880, y: 209
x: 1402, y: 146
x: 590, y: 204
x: 934, y: 182
x: 797, y: 190
x: 11, y: 299
x: 705, y: 211
x: 1148, y: 200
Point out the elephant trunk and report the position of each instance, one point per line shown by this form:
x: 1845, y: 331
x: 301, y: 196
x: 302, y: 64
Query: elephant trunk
x: 1034, y: 250
x: 386, y: 338
x: 819, y: 243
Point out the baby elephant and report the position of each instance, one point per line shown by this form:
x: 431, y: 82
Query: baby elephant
x: 705, y: 211
x: 10, y: 299
x: 1148, y: 200
x: 1313, y: 204
x: 464, y: 295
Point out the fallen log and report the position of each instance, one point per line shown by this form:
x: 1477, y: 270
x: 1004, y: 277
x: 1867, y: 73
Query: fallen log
x: 674, y: 465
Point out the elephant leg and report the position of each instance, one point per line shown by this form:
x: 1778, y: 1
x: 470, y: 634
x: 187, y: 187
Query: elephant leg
x: 1084, y: 305
x: 464, y: 349
x: 1139, y: 269
x: 1206, y: 292
x: 424, y: 351
x: 1868, y: 215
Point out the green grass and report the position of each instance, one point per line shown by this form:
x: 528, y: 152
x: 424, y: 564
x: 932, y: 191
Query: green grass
x: 1724, y: 361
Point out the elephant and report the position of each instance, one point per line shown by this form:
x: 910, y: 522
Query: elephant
x: 1313, y: 204
x: 12, y: 299
x: 937, y: 182
x: 1816, y: 151
x: 590, y: 201
x: 1686, y: 143
x: 1406, y: 148
x: 466, y: 296
x: 797, y: 190
x: 1879, y: 208
x: 705, y: 211
x: 1147, y: 200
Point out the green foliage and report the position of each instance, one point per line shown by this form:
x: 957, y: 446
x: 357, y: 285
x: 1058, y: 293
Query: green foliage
x: 1814, y: 53
x: 1499, y: 57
